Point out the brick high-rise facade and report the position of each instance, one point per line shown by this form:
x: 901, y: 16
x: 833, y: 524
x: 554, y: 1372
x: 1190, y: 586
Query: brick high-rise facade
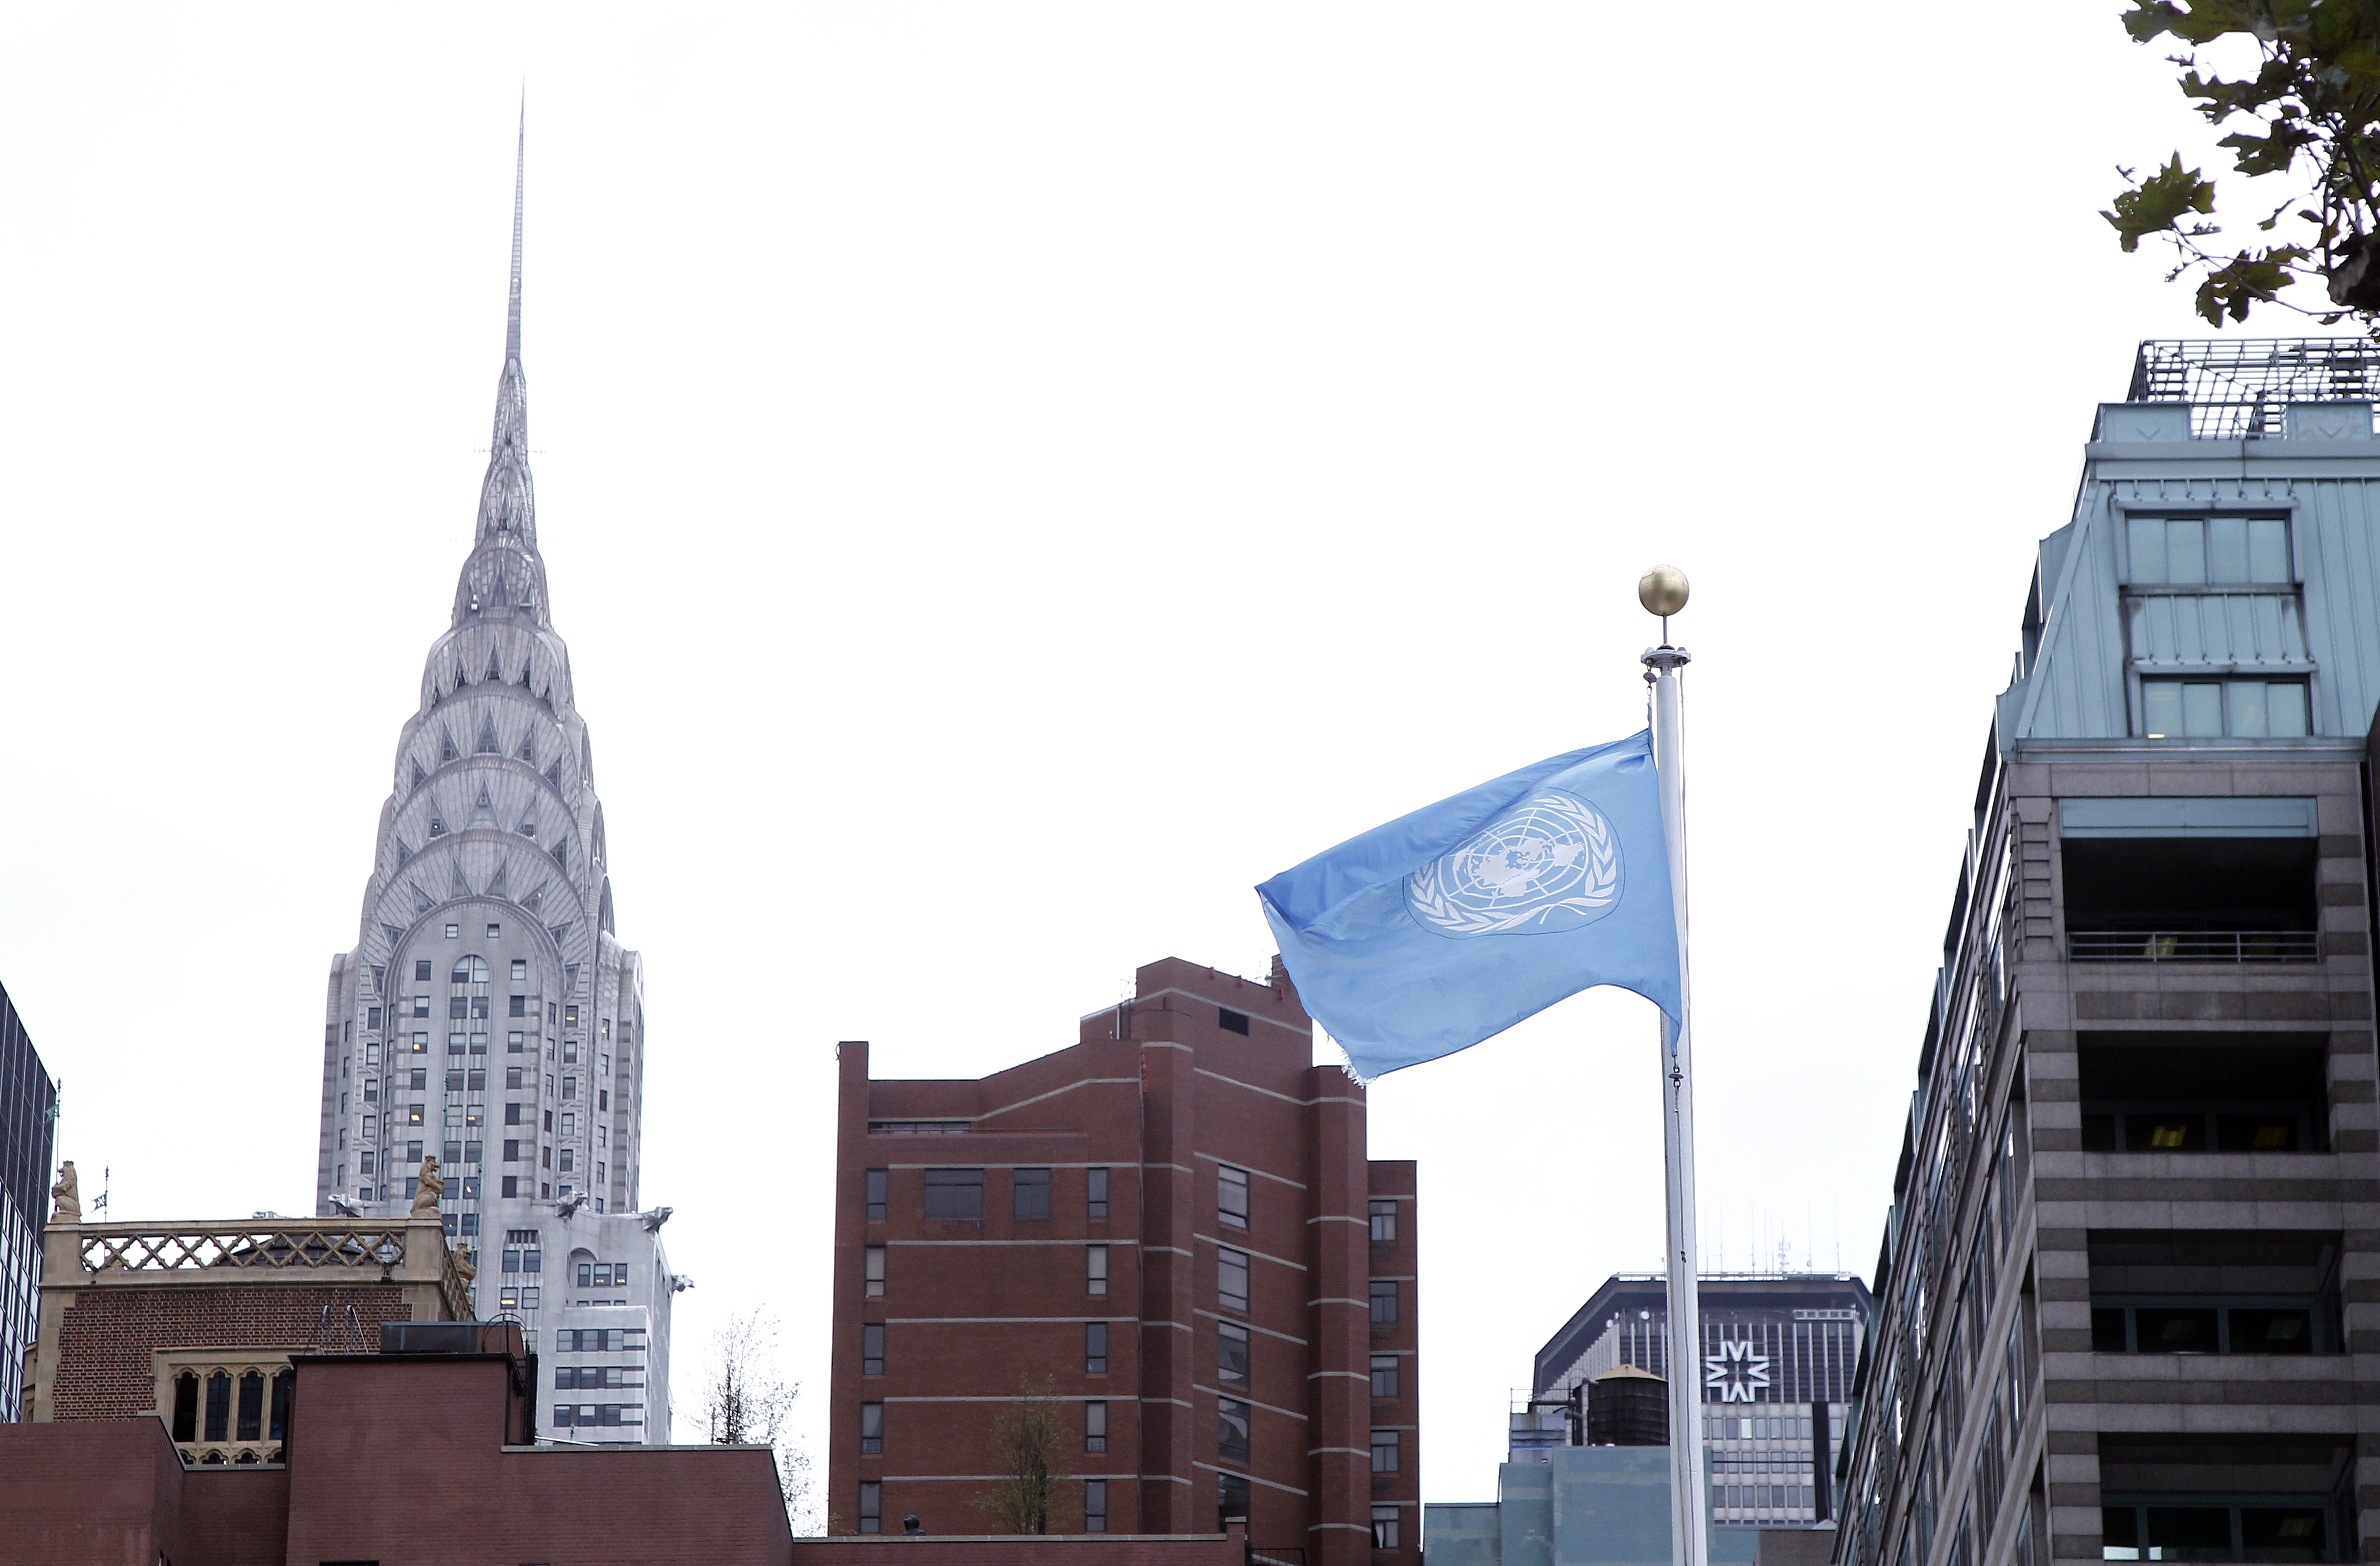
x: 1172, y: 1227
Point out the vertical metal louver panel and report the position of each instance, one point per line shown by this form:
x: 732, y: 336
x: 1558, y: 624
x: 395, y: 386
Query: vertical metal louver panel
x: 2216, y: 630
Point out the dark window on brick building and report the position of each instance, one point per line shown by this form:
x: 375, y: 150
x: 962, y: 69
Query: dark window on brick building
x: 877, y: 1182
x: 1231, y: 1021
x: 1231, y: 1500
x: 871, y: 1428
x: 1094, y: 1425
x: 1232, y: 1279
x: 1384, y: 1223
x: 1231, y: 1429
x: 1386, y: 1451
x: 1231, y: 1195
x: 872, y: 1272
x: 1095, y: 1191
x: 1094, y: 1504
x: 1231, y: 1353
x: 1384, y: 1302
x: 954, y: 1193
x: 871, y: 1507
x: 1384, y: 1527
x: 1095, y: 1348
x: 1031, y: 1190
x: 1095, y: 1269
x: 1384, y: 1375
x: 871, y: 1349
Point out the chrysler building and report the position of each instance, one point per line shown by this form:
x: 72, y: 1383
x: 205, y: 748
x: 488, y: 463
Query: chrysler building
x: 489, y: 1016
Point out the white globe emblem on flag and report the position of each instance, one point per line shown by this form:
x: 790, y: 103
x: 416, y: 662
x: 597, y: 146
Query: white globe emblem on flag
x: 1550, y: 863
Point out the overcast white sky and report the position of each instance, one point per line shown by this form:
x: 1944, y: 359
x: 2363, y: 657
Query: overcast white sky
x: 1013, y: 477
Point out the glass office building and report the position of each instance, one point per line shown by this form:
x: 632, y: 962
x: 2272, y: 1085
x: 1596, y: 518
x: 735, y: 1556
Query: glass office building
x: 28, y: 1102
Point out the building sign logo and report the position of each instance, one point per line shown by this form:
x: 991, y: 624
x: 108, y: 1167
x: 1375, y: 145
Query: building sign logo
x: 1553, y: 864
x: 1736, y: 1371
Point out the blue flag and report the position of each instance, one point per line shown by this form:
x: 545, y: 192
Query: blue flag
x: 1446, y: 926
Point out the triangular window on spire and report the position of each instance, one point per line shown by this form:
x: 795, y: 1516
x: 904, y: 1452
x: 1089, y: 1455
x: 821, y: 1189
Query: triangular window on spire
x: 554, y: 771
x: 534, y: 898
x: 488, y: 745
x: 446, y: 751
x: 562, y: 851
x: 403, y: 851
x: 457, y: 885
x: 495, y: 668
x: 483, y: 815
x: 570, y: 973
x: 421, y: 904
x: 527, y: 827
x: 528, y: 749
x: 420, y: 777
x: 395, y: 934
x: 496, y: 881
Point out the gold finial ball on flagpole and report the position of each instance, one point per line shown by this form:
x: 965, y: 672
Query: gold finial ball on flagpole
x: 1662, y: 590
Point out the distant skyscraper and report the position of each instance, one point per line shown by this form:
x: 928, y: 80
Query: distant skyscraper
x: 488, y: 1015
x: 1775, y: 1366
x: 28, y: 1103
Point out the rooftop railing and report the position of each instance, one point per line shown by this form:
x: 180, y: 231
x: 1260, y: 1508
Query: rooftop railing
x: 401, y: 1252
x: 2238, y: 386
x: 2193, y: 946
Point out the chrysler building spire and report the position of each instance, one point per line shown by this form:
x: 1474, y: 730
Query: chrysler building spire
x: 504, y: 576
x: 488, y: 1015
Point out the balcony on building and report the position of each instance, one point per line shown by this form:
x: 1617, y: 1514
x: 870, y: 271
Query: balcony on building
x: 2203, y: 1092
x: 2171, y: 880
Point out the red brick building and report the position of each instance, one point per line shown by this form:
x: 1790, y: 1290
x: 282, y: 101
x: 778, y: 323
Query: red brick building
x: 1172, y: 1228
x: 300, y: 1390
x: 394, y: 1459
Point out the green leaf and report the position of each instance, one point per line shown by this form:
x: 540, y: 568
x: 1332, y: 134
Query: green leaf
x: 2157, y: 204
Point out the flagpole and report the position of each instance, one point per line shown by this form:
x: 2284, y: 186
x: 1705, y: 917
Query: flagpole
x: 1662, y: 592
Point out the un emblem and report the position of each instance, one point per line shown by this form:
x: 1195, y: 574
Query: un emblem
x: 1551, y: 863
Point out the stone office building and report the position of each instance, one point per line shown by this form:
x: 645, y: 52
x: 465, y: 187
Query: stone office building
x: 2126, y: 1302
x: 1172, y: 1229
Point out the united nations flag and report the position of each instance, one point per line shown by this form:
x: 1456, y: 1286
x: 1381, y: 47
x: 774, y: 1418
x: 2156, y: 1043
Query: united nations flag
x: 1448, y: 926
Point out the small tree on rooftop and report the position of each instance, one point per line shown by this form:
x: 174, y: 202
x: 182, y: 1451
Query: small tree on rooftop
x: 1028, y: 1436
x: 746, y: 1402
x: 2309, y: 113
